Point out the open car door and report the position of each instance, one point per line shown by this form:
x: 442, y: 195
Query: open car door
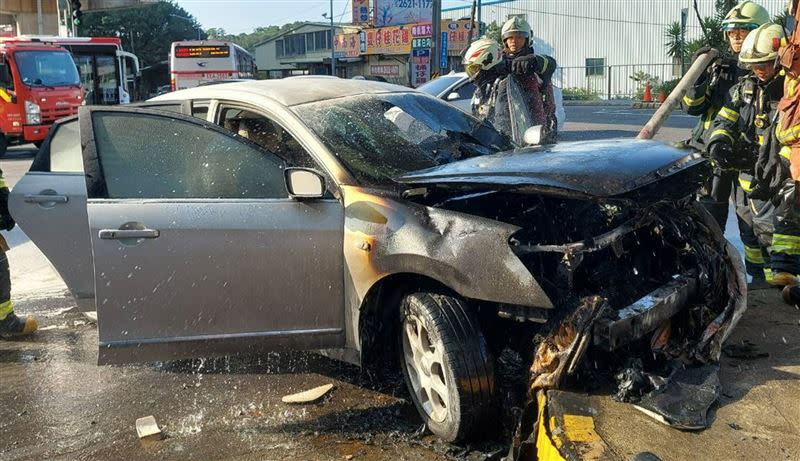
x: 198, y: 248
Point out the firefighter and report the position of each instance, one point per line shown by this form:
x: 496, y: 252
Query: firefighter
x: 10, y: 324
x: 742, y: 138
x: 534, y: 72
x: 710, y: 92
x: 484, y: 65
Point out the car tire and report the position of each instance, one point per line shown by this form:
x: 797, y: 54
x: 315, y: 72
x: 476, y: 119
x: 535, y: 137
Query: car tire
x: 3, y: 145
x: 443, y: 351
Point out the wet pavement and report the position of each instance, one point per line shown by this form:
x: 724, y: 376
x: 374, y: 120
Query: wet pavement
x: 58, y: 404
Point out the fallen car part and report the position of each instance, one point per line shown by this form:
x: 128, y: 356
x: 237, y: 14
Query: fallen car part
x: 147, y: 428
x: 309, y: 396
x: 684, y: 401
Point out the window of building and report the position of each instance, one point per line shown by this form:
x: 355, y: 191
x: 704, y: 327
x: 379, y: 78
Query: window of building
x: 595, y: 67
x: 279, y: 48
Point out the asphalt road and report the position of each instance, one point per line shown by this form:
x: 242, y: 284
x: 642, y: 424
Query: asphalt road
x: 58, y: 404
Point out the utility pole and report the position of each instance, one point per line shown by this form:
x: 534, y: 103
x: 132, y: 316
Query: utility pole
x: 333, y: 48
x: 479, y: 18
x: 436, y: 39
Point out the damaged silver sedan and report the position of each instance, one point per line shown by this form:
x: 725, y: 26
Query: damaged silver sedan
x: 387, y: 228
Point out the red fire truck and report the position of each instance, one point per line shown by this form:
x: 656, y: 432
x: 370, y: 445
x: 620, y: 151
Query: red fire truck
x: 39, y: 83
x: 108, y: 73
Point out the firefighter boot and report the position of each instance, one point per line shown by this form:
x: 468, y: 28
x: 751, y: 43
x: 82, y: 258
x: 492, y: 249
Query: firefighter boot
x: 791, y: 295
x: 12, y: 326
x: 784, y: 279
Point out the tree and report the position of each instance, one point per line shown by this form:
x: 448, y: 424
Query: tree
x: 676, y: 45
x: 148, y: 31
x: 248, y: 41
x: 493, y: 31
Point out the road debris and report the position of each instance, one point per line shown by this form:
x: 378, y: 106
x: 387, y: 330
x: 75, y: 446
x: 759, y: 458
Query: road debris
x: 147, y: 428
x: 309, y: 396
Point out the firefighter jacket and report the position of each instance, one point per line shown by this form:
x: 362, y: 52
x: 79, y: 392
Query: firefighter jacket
x: 747, y: 122
x: 536, y: 83
x: 6, y: 221
x: 708, y: 95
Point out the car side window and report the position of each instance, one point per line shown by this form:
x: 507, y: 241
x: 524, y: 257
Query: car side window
x: 153, y: 156
x: 65, y: 149
x: 466, y: 91
x: 267, y: 134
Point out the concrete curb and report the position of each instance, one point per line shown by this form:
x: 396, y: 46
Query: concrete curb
x: 645, y: 105
x: 621, y: 102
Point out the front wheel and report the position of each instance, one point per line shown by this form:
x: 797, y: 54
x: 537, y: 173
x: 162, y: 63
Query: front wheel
x: 447, y: 365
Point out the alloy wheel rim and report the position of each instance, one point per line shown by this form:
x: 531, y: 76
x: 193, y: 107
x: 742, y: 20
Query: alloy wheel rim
x: 424, y: 361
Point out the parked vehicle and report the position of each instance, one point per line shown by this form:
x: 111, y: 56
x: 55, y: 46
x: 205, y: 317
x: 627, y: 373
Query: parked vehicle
x: 108, y: 73
x: 457, y: 89
x: 195, y: 62
x: 39, y: 83
x: 373, y: 221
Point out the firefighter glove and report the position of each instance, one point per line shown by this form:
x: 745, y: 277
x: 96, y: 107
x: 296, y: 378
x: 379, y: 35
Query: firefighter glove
x: 525, y: 65
x: 721, y: 152
x: 703, y: 50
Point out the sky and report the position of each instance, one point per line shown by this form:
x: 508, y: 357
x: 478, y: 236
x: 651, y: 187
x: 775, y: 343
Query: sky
x: 237, y: 16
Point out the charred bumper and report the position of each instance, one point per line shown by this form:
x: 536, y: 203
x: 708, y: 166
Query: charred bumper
x: 646, y: 314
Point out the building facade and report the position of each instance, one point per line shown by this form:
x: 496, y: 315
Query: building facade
x: 600, y: 45
x: 304, y: 50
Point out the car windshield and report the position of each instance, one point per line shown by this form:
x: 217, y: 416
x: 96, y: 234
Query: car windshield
x: 437, y: 86
x: 47, y: 68
x: 380, y: 137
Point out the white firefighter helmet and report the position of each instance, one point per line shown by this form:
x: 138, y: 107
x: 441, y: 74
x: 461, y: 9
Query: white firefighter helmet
x: 761, y: 45
x: 515, y: 25
x: 483, y: 54
x: 745, y: 15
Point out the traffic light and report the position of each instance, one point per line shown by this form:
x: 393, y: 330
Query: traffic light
x: 77, y: 14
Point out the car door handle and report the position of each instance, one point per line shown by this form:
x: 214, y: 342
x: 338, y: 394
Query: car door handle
x: 34, y: 198
x: 118, y: 234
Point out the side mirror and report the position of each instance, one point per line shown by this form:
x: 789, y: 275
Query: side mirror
x: 304, y: 183
x: 453, y: 96
x: 533, y: 136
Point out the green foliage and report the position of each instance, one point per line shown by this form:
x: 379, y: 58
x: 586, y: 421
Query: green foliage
x: 643, y: 78
x: 781, y: 18
x: 148, y: 30
x: 493, y: 31
x: 579, y: 94
x: 675, y: 45
x: 249, y: 40
x: 668, y: 86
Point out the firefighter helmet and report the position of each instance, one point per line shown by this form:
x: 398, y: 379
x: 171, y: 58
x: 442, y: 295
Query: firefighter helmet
x: 745, y: 15
x: 483, y: 54
x: 761, y: 45
x: 516, y: 25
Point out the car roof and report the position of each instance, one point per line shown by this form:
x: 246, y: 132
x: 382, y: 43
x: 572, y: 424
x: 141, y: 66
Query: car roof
x: 290, y: 91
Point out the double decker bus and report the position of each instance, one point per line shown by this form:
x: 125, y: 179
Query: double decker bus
x: 195, y: 62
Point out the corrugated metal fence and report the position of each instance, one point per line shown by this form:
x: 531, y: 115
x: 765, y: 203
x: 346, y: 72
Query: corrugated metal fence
x: 613, y: 82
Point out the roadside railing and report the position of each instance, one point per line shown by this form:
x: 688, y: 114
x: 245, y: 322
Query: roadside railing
x: 613, y: 82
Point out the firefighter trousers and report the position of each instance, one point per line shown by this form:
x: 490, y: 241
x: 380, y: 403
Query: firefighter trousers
x: 6, y: 307
x: 755, y: 221
x: 717, y: 195
x: 784, y: 251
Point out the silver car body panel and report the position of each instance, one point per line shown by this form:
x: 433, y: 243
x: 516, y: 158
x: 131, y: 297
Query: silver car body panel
x: 58, y: 227
x: 222, y: 270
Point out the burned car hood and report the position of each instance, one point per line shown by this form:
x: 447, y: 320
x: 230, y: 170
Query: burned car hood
x: 612, y: 168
